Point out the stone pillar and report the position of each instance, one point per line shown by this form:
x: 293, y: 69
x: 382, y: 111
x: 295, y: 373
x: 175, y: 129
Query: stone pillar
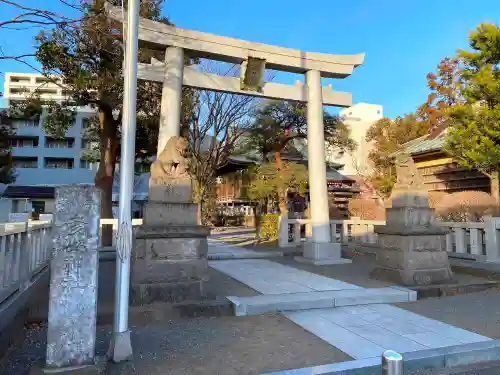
x: 170, y: 114
x: 71, y: 333
x: 319, y: 249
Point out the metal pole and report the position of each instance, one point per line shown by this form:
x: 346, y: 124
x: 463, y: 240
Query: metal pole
x: 392, y: 363
x: 120, y: 348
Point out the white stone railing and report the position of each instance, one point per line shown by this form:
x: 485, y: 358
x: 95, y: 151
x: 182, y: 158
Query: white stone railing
x: 135, y: 223
x: 25, y: 249
x: 480, y: 241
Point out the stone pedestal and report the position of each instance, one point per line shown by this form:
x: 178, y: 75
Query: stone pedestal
x: 169, y: 260
x: 322, y: 253
x: 412, y: 248
x: 71, y: 330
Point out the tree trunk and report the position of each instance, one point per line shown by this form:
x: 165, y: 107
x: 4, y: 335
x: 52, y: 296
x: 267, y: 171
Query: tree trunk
x: 495, y: 186
x: 104, y: 177
x: 282, y: 198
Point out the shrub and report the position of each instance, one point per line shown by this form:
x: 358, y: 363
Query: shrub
x: 366, y: 209
x: 435, y: 197
x: 466, y: 206
x: 268, y: 226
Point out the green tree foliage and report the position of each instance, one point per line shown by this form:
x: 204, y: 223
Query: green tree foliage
x: 473, y: 136
x: 7, y: 172
x: 388, y: 136
x: 18, y: 110
x: 88, y: 55
x: 278, y: 123
x: 266, y: 180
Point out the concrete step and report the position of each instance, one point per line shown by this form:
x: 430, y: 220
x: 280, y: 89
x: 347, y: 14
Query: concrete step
x: 319, y: 300
x: 246, y: 255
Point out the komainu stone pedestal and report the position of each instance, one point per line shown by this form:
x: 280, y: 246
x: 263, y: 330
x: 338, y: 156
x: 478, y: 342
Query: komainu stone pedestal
x: 412, y: 249
x: 170, y: 254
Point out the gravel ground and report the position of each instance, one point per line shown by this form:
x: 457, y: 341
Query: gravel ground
x: 358, y: 272
x: 477, y: 312
x: 223, y: 346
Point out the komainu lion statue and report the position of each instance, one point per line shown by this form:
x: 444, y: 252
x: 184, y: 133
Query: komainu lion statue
x: 407, y: 173
x: 172, y: 161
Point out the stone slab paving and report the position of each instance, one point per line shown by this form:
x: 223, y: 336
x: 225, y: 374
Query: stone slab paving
x: 360, y: 331
x: 272, y: 278
x: 316, y: 300
x: 366, y: 331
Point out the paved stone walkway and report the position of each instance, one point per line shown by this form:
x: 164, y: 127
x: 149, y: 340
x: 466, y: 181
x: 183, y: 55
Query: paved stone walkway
x: 269, y: 277
x: 359, y: 331
x: 217, y: 250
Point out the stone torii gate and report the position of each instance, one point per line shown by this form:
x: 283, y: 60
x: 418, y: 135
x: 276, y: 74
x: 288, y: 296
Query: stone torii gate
x: 254, y: 58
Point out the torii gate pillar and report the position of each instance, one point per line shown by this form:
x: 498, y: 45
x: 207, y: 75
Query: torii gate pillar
x: 321, y: 248
x: 170, y: 115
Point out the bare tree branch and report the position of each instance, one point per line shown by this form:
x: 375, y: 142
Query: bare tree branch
x: 37, y: 16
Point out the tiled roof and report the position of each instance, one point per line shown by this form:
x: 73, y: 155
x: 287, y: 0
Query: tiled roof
x: 423, y: 144
x: 426, y: 145
x: 334, y: 175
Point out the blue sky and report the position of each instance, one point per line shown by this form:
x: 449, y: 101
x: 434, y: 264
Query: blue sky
x: 403, y: 39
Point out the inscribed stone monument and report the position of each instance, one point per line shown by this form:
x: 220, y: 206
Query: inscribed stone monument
x: 169, y: 261
x: 412, y: 249
x: 73, y: 278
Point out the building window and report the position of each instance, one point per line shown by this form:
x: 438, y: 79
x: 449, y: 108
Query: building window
x: 25, y: 123
x: 59, y: 163
x: 47, y: 91
x: 85, y: 164
x: 24, y: 162
x: 18, y: 79
x: 59, y: 142
x: 86, y: 123
x: 28, y: 142
x: 38, y: 206
x: 19, y: 90
x: 87, y: 144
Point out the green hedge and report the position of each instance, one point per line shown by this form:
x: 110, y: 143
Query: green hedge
x: 268, y: 228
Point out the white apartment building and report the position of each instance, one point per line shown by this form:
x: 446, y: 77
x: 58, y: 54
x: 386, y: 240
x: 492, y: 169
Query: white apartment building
x: 358, y: 118
x: 41, y: 161
x: 38, y: 158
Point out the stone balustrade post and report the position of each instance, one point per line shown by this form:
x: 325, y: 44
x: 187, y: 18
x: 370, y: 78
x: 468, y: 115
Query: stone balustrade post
x: 26, y: 256
x: 492, y: 237
x: 282, y: 231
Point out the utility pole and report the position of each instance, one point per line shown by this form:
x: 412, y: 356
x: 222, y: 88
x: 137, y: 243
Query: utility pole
x: 120, y: 348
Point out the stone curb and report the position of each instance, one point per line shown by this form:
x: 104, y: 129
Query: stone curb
x: 253, y: 256
x: 428, y: 359
x: 268, y: 303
